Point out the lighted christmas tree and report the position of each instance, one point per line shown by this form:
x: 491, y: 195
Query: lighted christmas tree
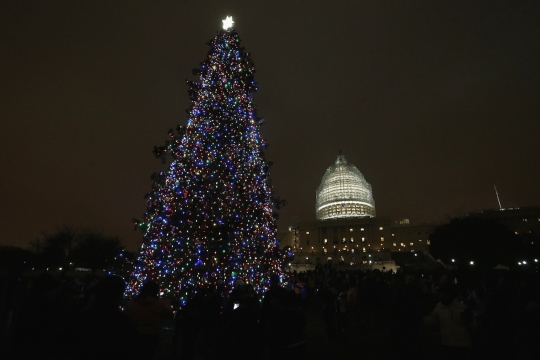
x: 210, y: 218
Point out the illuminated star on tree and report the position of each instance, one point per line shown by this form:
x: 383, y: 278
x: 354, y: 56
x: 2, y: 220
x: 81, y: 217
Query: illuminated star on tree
x: 228, y: 23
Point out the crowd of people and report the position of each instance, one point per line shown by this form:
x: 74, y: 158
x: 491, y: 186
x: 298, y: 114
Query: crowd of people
x: 52, y: 319
x: 49, y: 318
x: 477, y: 315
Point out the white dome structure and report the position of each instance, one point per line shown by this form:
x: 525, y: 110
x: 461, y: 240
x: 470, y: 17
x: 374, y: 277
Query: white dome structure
x: 344, y: 193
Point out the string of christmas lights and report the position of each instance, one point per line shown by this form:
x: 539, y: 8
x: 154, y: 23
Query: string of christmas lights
x: 210, y: 218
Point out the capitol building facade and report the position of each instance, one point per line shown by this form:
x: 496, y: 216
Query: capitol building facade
x: 346, y: 229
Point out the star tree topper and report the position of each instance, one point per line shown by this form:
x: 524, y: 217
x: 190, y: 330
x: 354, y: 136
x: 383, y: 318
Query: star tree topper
x: 227, y: 23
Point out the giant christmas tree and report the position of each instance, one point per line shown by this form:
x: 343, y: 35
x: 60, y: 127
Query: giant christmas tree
x: 210, y: 217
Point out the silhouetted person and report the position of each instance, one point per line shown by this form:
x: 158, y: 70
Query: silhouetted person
x: 270, y: 302
x: 212, y: 327
x: 353, y: 301
x: 453, y: 319
x: 189, y: 323
x: 251, y: 299
x: 330, y: 308
x: 342, y: 314
x: 528, y: 332
x: 407, y: 312
x: 102, y: 330
x: 242, y: 334
x: 150, y: 314
x: 37, y: 320
x: 499, y: 320
x: 8, y: 287
x: 289, y: 322
x: 234, y: 298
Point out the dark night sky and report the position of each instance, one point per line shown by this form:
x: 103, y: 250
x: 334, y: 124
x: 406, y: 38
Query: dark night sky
x: 433, y: 101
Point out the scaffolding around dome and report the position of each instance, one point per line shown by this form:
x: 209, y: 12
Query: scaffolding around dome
x: 344, y: 193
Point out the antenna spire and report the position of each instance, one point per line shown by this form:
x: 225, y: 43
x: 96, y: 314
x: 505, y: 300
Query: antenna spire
x: 499, y: 200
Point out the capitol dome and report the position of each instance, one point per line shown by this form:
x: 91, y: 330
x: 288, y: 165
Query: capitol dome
x: 344, y: 193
